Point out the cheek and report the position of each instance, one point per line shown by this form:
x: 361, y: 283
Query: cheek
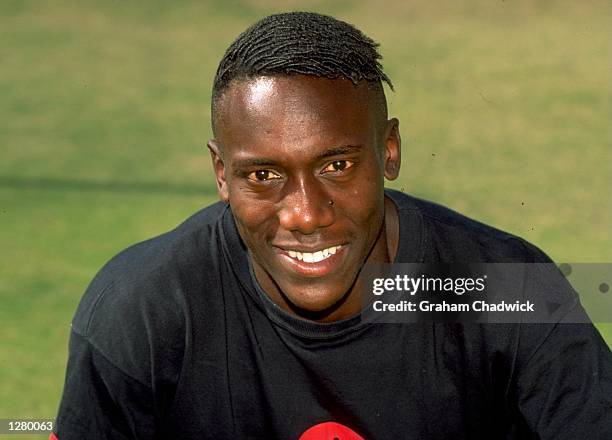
x: 255, y: 221
x: 364, y: 203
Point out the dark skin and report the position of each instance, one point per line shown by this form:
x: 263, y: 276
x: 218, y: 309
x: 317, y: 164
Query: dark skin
x: 302, y: 162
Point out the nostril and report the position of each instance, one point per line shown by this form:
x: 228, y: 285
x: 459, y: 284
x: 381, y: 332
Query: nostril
x: 306, y: 210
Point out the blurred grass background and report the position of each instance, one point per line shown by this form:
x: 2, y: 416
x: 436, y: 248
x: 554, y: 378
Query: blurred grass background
x: 104, y: 110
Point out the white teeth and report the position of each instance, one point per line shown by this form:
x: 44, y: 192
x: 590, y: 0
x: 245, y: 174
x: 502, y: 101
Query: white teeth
x: 314, y: 257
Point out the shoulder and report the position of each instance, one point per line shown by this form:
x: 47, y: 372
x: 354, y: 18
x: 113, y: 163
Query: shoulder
x: 137, y: 303
x: 177, y: 249
x: 452, y: 236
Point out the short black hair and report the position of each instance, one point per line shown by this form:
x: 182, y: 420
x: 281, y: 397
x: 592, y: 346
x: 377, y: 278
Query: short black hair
x: 300, y: 43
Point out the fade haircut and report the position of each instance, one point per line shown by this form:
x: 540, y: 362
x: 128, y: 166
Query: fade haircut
x: 300, y: 43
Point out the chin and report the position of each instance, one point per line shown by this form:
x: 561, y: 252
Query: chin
x: 315, y: 302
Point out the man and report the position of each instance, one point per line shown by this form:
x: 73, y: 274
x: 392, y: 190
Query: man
x: 244, y: 322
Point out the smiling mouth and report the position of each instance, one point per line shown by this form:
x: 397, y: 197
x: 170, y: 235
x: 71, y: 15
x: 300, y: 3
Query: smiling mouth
x: 314, y: 257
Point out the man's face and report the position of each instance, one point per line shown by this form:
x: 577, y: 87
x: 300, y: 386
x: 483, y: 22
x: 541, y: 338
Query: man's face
x: 302, y: 161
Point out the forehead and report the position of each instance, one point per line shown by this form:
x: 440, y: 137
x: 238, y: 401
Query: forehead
x: 296, y: 109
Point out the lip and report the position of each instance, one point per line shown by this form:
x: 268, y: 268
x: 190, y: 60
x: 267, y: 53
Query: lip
x: 318, y: 269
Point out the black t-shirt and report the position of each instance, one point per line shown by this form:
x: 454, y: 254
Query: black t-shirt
x: 174, y: 339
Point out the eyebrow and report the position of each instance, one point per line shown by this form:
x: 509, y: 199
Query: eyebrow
x: 254, y: 162
x: 263, y: 162
x: 337, y: 151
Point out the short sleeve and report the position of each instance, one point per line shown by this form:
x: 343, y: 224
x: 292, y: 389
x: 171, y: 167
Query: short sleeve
x: 565, y: 389
x: 100, y: 401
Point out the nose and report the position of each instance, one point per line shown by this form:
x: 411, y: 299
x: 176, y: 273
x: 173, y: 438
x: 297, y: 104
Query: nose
x: 306, y: 207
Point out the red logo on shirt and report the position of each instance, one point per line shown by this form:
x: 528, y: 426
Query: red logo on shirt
x: 330, y: 431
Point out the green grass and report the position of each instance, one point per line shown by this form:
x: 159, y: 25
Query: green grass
x: 504, y: 110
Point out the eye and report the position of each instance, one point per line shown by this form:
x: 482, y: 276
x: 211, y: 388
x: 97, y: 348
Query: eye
x: 337, y: 165
x: 262, y: 175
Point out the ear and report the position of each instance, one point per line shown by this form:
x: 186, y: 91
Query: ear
x: 219, y: 167
x: 393, y: 149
